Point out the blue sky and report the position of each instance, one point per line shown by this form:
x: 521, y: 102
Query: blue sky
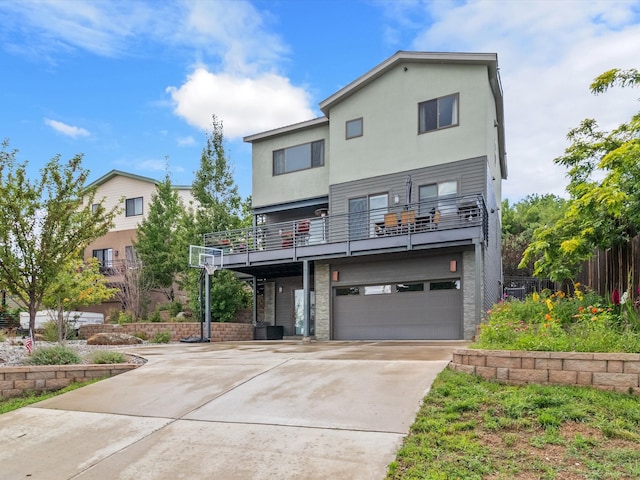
x: 133, y: 84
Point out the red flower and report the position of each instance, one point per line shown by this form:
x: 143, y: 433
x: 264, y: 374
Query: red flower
x: 615, y: 297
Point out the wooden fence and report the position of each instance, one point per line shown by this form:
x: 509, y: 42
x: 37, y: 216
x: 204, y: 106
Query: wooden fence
x: 616, y: 268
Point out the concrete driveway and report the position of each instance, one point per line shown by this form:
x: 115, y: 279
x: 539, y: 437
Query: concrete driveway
x: 255, y: 410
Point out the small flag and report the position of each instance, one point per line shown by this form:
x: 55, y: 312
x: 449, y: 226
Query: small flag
x: 28, y: 343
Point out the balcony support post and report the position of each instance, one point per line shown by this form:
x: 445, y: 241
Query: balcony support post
x: 306, y: 297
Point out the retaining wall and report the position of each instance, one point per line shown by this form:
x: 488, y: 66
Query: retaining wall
x: 15, y: 381
x: 220, y: 332
x: 608, y: 371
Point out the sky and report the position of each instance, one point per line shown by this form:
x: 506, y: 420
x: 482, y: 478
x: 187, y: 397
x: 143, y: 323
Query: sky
x: 132, y: 85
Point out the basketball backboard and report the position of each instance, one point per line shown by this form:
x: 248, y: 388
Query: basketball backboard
x: 205, y: 257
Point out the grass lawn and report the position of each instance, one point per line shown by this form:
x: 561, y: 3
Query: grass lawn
x: 9, y: 404
x: 469, y: 428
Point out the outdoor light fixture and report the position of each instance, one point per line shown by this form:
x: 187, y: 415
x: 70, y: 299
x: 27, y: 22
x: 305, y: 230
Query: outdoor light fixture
x: 453, y: 265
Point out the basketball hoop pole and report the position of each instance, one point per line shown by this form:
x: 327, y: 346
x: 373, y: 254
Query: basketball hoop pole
x: 204, y: 258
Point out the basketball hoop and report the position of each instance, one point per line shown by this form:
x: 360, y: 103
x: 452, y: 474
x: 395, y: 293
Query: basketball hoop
x: 211, y: 269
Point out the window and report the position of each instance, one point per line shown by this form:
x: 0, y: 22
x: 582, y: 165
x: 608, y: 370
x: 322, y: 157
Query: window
x: 94, y: 208
x: 129, y: 254
x: 377, y: 289
x: 364, y: 213
x: 438, y: 113
x: 438, y: 196
x: 346, y: 291
x: 300, y: 157
x: 409, y: 287
x: 133, y: 206
x: 354, y: 128
x: 104, y: 256
x: 445, y: 285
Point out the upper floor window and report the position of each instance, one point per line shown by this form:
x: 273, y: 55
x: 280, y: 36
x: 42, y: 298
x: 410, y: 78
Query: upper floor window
x: 94, y: 208
x: 300, y: 157
x: 354, y: 128
x: 104, y: 256
x: 438, y: 113
x: 133, y: 206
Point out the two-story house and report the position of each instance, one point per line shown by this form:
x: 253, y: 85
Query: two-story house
x: 380, y: 219
x: 131, y: 194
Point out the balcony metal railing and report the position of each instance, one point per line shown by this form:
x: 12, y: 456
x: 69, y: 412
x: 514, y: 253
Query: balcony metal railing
x: 114, y: 268
x: 444, y: 214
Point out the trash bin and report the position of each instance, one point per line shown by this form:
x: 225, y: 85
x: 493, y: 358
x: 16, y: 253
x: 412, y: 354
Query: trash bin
x: 266, y: 331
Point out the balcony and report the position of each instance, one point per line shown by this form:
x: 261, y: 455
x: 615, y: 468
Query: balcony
x: 117, y: 270
x: 454, y: 221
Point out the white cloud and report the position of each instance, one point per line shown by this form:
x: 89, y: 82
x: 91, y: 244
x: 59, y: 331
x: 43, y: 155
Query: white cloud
x: 245, y: 105
x: 65, y: 129
x: 549, y: 52
x: 186, y: 141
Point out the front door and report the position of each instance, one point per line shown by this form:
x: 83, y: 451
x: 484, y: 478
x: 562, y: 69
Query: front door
x: 299, y: 312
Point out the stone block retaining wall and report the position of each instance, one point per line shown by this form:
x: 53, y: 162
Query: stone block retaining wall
x: 608, y: 371
x: 15, y: 381
x: 220, y: 332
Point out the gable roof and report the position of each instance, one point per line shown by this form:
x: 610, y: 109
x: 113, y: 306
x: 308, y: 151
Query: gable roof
x: 115, y: 173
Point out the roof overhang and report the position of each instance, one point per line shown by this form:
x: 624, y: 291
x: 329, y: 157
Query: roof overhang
x: 289, y: 128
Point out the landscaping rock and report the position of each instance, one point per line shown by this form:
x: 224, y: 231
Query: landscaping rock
x: 113, y: 339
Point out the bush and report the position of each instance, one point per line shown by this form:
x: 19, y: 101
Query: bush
x: 140, y: 335
x: 113, y: 317
x: 162, y: 337
x: 56, y: 355
x: 548, y: 321
x: 175, y: 308
x: 108, y: 356
x: 2, y: 337
x: 124, y: 317
x: 50, y: 331
x: 155, y: 317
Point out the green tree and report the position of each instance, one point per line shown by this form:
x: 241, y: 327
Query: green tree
x: 604, y: 188
x: 78, y: 283
x: 45, y: 223
x: 218, y: 206
x: 228, y: 295
x: 157, y: 244
x: 519, y: 221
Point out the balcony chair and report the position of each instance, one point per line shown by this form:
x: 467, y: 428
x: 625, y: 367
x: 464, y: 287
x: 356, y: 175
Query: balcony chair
x: 390, y: 223
x: 407, y: 221
x: 302, y: 231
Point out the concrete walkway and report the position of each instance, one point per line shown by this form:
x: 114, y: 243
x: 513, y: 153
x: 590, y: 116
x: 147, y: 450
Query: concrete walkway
x: 255, y: 410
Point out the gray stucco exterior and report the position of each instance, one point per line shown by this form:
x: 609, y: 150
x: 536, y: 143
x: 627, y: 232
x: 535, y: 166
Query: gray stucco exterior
x: 424, y: 261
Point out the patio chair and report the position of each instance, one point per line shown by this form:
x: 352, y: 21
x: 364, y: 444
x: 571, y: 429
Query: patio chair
x: 390, y: 223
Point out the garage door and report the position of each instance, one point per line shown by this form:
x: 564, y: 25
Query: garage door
x: 427, y: 310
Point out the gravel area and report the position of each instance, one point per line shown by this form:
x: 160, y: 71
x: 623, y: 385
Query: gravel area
x: 13, y: 353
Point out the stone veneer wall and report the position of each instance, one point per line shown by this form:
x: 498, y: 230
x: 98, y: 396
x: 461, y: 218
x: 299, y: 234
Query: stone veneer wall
x: 323, y: 296
x: 608, y: 371
x: 15, y: 381
x: 468, y: 295
x: 220, y: 332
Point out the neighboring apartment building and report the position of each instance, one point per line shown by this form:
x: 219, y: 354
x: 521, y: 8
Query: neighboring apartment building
x: 132, y: 195
x: 380, y: 220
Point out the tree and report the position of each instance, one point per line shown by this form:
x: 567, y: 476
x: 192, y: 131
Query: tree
x: 44, y: 223
x: 519, y: 221
x: 218, y: 207
x: 135, y: 287
x: 604, y: 188
x: 157, y: 244
x: 78, y: 283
